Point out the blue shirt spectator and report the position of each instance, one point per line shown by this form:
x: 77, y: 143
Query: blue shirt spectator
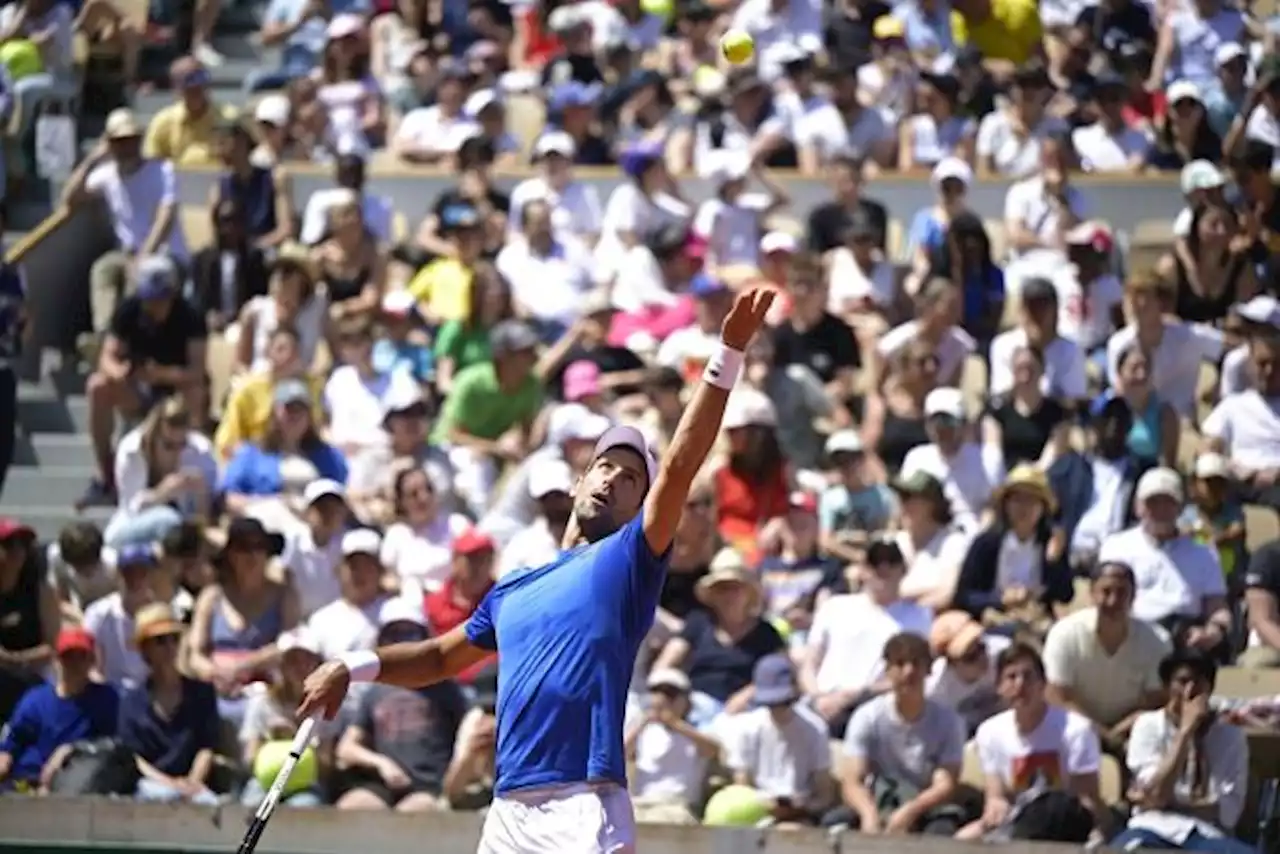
x: 47, y: 718
x: 170, y: 744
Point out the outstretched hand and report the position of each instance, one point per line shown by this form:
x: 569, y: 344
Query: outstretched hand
x: 746, y: 316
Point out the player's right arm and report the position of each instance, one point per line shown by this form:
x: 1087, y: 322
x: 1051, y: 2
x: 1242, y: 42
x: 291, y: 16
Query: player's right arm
x: 408, y: 665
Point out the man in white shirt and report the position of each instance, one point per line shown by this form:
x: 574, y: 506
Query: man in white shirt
x: 1064, y: 366
x: 1245, y: 427
x: 963, y: 676
x: 1109, y: 144
x: 427, y: 135
x: 1101, y: 662
x: 1040, y: 210
x: 313, y: 550
x: 969, y: 471
x: 550, y: 482
x: 550, y: 276
x: 376, y: 212
x: 356, y: 395
x: 575, y: 205
x: 1179, y: 582
x: 351, y: 622
x: 843, y: 665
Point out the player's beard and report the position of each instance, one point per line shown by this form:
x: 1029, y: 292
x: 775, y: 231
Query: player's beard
x: 595, y: 521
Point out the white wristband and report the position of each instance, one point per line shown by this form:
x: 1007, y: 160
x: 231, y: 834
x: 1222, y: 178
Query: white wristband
x: 723, y: 367
x: 363, y: 665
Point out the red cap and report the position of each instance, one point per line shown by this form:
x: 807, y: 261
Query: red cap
x: 10, y: 528
x: 1094, y: 235
x: 801, y: 500
x: 472, y: 541
x: 74, y: 639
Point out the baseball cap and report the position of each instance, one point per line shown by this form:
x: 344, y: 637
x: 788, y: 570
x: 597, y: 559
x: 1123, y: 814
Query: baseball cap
x: 1261, y: 309
x: 575, y: 421
x: 951, y: 168
x: 801, y: 500
x: 345, y: 25
x: 548, y: 476
x: 1159, y: 481
x: 1184, y: 90
x: 581, y: 379
x: 399, y: 304
x: 298, y: 638
x: 1211, y: 465
x: 944, y: 401
x: 705, y: 285
x: 74, y: 639
x: 953, y: 634
x: 555, y: 142
x: 778, y: 241
x: 323, y: 488
x: 512, y: 336
x: 402, y: 397
x: 156, y: 277
x: 1228, y: 52
x: 1201, y: 175
x: 136, y: 554
x: 272, y: 110
x: 627, y: 436
x: 472, y: 541
x: 729, y: 166
x: 122, y: 124
x: 749, y: 408
x: 668, y: 677
x: 361, y: 541
x: 478, y: 102
x: 10, y: 528
x: 844, y: 441
x: 775, y: 681
x: 291, y: 391
x: 156, y: 620
x: 400, y: 610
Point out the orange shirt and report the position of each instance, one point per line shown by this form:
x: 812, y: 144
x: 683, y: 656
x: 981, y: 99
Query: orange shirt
x: 743, y: 507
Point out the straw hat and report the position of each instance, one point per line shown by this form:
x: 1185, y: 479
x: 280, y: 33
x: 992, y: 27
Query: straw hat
x: 728, y: 567
x: 153, y: 621
x: 1030, y: 480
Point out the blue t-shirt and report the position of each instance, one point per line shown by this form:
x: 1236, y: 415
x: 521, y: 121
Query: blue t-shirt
x: 43, y: 722
x: 253, y: 471
x: 567, y: 635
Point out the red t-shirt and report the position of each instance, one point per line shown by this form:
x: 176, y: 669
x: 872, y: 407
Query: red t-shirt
x: 743, y: 507
x: 446, y: 610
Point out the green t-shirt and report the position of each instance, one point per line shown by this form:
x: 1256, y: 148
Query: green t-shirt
x: 466, y: 346
x: 478, y: 407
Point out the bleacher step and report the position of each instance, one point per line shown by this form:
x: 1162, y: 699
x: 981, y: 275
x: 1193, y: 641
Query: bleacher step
x: 49, y: 521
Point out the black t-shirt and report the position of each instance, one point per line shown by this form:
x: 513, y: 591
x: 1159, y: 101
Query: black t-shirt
x: 593, y: 151
x: 849, y: 38
x: 1264, y: 569
x: 1125, y: 24
x: 825, y: 349
x: 610, y: 360
x: 721, y: 671
x: 416, y: 729
x: 1023, y: 437
x: 828, y: 223
x: 571, y: 67
x: 163, y: 342
x: 453, y: 197
x: 678, y: 597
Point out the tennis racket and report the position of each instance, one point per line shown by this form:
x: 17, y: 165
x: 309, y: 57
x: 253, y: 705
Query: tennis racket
x: 260, y: 818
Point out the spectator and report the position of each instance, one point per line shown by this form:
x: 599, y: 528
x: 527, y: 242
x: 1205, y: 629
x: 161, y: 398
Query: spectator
x: 813, y: 337
x: 351, y: 97
x: 1110, y: 144
x: 550, y: 485
x: 183, y: 554
x: 271, y: 122
x: 468, y: 784
x: 229, y: 273
x: 51, y: 717
x: 893, y: 421
x: 932, y: 547
x: 688, y: 349
x: 1034, y: 746
x: 1216, y: 517
x: 550, y: 275
x: 718, y: 647
x: 793, y: 572
x: 170, y: 721
x: 349, y: 172
x: 1182, y: 756
x: 965, y: 259
x: 938, y: 309
x: 155, y: 348
x: 291, y: 301
x: 262, y: 194
x: 778, y: 749
x: 1216, y: 271
x: 401, y: 344
x: 1262, y: 596
x: 185, y: 132
x: 165, y: 471
x: 1023, y: 423
x: 29, y: 614
x: 443, y: 288
x: 349, y: 263
x: 843, y: 666
x: 356, y: 393
x: 828, y: 222
x: 1156, y: 432
x: 1102, y: 662
x: 351, y: 621
x: 470, y: 580
x: 49, y: 27
x: 937, y: 132
x: 237, y: 619
x: 1063, y: 377
x: 638, y: 207
x: 1184, y: 133
x: 261, y: 470
x: 1015, y: 567
x: 82, y: 569
x: 574, y: 205
x: 1179, y: 581
x: 300, y: 28
x: 1089, y: 294
x: 419, y: 543
x: 248, y: 411
x: 1095, y: 486
x: 968, y: 470
x: 399, y: 744
x: 963, y: 676
x: 1240, y: 426
x: 586, y: 340
x: 862, y: 289
x: 141, y: 198
x: 269, y: 719
x: 313, y: 550
x: 903, y: 753
x: 670, y: 756
x: 854, y: 503
x: 459, y: 344
x: 1008, y: 34
x: 1043, y: 206
x: 142, y: 580
x: 1010, y: 138
x: 731, y: 220
x: 429, y: 134
x: 950, y: 180
x: 753, y: 483
x: 696, y: 545
x: 1189, y: 39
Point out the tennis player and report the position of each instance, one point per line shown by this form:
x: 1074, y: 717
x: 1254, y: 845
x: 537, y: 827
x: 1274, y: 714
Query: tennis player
x: 567, y: 633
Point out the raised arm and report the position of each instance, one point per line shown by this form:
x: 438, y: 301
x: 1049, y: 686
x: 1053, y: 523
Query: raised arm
x: 700, y: 424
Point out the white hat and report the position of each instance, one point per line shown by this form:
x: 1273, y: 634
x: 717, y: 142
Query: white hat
x: 575, y: 421
x: 627, y: 436
x: 730, y: 165
x: 548, y: 476
x: 844, y: 442
x: 323, y: 488
x: 298, y: 638
x: 1212, y: 465
x: 122, y: 124
x: 400, y: 610
x: 944, y: 401
x: 273, y: 109
x: 555, y: 142
x: 1201, y: 175
x: 749, y: 408
x: 399, y: 302
x: 668, y: 677
x: 1228, y: 51
x: 778, y: 241
x: 361, y: 541
x: 1261, y: 309
x: 1160, y: 481
x: 1182, y: 90
x: 341, y: 26
x: 400, y: 397
x: 478, y: 101
x: 951, y: 167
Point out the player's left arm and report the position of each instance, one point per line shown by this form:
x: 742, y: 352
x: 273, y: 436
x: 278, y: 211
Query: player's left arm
x: 700, y: 425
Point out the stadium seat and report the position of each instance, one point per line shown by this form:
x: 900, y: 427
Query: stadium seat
x: 197, y: 226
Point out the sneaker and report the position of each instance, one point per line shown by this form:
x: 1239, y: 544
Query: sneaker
x: 97, y: 494
x: 208, y: 57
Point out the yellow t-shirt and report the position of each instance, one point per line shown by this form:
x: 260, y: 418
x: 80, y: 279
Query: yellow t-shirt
x: 1012, y: 33
x: 248, y: 409
x: 443, y: 290
x: 174, y: 135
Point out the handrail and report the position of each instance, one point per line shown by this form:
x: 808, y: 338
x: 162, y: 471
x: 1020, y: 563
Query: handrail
x: 33, y: 238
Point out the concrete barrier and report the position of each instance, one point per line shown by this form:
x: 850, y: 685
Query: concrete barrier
x: 107, y: 826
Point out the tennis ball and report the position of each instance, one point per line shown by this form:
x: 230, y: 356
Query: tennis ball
x: 737, y: 46
x: 270, y: 760
x: 659, y: 8
x: 735, y: 806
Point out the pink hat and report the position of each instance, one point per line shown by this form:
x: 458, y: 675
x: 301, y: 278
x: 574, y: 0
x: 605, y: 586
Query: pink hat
x: 581, y: 379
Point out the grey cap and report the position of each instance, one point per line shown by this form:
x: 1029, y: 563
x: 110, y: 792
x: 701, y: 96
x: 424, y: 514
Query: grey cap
x: 156, y: 276
x: 291, y: 391
x: 512, y: 336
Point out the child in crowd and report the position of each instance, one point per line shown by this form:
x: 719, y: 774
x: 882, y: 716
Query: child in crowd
x: 1215, y: 517
x: 81, y: 568
x: 670, y: 756
x: 854, y: 504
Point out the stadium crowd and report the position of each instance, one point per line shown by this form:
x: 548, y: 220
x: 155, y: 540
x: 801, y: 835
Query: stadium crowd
x: 982, y: 531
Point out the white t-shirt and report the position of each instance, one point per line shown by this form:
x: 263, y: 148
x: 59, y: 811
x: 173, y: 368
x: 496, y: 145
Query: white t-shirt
x: 549, y: 287
x: 422, y: 557
x: 631, y: 211
x: 848, y: 637
x: 1249, y: 425
x: 1064, y: 366
x: 1237, y: 372
x: 530, y: 547
x: 1263, y: 127
x: 1014, y: 156
x: 1028, y: 203
x: 934, y: 563
x: 1173, y: 578
x: 968, y: 478
x: 135, y: 200
x: 640, y: 283
x: 954, y: 348
x: 132, y: 470
x: 732, y: 229
x: 342, y: 627
x: 1103, y: 151
x: 975, y: 701
x: 429, y: 129
x: 356, y: 404
x: 575, y: 209
x: 783, y: 762
x: 1086, y: 318
x: 829, y: 133
x: 313, y: 569
x: 112, y: 630
x: 1175, y: 372
x: 1062, y: 746
x: 376, y: 212
x: 848, y: 283
x: 308, y: 322
x: 668, y: 766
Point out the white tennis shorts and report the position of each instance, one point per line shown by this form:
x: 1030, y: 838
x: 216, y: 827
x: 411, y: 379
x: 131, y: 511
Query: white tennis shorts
x: 582, y: 818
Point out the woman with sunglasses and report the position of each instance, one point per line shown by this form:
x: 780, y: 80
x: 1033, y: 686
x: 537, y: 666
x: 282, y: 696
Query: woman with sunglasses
x: 418, y: 549
x: 164, y: 472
